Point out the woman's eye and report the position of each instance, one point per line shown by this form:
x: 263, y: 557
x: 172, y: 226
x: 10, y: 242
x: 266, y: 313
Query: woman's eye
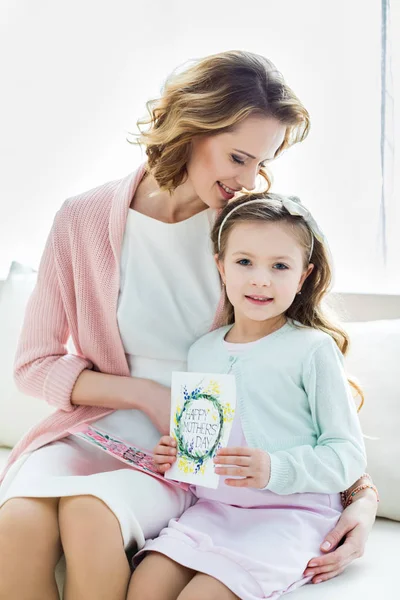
x: 237, y: 160
x: 244, y: 262
x: 280, y: 267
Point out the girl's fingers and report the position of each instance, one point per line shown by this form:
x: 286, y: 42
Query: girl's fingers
x: 240, y: 461
x: 167, y: 440
x: 163, y: 468
x: 232, y: 471
x: 245, y: 482
x: 236, y: 451
x: 163, y: 454
x: 165, y: 450
x: 160, y: 459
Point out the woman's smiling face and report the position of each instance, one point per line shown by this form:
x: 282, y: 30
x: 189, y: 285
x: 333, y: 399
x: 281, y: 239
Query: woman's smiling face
x: 222, y: 165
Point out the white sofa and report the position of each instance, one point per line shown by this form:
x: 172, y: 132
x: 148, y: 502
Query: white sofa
x: 374, y: 324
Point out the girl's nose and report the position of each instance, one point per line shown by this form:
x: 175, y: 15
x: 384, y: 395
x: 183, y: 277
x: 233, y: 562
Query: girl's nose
x: 261, y: 281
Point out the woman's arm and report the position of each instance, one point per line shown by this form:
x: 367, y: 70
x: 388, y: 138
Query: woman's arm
x: 43, y: 366
x: 353, y: 527
x: 45, y: 369
x: 113, y: 391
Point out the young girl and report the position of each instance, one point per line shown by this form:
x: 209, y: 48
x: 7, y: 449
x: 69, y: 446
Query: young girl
x: 296, y: 441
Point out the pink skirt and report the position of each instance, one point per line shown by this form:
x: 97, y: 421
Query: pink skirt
x: 255, y: 542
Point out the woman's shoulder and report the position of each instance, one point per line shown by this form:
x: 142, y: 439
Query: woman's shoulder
x: 90, y: 203
x: 91, y: 212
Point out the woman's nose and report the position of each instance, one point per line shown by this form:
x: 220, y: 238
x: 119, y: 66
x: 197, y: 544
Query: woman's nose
x: 248, y: 178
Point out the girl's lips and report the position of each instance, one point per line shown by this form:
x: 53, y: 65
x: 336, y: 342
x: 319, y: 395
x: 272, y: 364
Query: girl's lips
x: 224, y: 193
x: 257, y: 300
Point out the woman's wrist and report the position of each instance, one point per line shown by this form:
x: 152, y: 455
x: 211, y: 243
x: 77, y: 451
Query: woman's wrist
x: 363, y: 488
x: 111, y: 391
x: 366, y: 495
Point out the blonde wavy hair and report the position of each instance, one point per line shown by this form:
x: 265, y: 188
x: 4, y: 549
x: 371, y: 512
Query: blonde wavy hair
x: 307, y: 308
x: 212, y: 96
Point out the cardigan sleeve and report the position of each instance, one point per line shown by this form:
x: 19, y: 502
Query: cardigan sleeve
x: 338, y: 458
x: 43, y: 367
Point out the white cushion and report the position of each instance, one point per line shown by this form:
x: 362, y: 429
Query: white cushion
x: 18, y: 412
x: 372, y: 576
x: 374, y: 358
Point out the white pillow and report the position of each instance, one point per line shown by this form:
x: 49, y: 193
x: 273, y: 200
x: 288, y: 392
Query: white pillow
x: 18, y: 412
x: 374, y: 358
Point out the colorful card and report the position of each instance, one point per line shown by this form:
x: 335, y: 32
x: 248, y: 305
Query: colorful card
x: 202, y: 411
x: 141, y: 460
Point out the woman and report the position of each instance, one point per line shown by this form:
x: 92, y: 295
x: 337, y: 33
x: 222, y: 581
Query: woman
x: 210, y: 135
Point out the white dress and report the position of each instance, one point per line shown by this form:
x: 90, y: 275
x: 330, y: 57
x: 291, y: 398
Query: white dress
x: 169, y: 291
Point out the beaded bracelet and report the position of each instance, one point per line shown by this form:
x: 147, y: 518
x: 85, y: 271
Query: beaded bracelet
x: 359, y: 488
x: 344, y: 496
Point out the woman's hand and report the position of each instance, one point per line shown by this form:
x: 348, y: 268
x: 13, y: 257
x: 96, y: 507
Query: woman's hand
x: 252, y: 464
x: 158, y: 405
x: 165, y: 453
x: 354, y: 525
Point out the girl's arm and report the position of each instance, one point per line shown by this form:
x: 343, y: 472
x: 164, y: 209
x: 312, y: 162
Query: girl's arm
x: 339, y: 455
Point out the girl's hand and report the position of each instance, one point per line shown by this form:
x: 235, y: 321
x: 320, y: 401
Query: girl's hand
x: 165, y: 453
x: 252, y: 464
x: 354, y: 526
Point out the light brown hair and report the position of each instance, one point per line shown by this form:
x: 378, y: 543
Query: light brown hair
x: 210, y: 97
x: 307, y: 308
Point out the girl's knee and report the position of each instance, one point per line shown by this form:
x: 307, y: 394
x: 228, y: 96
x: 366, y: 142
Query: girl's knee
x: 205, y: 586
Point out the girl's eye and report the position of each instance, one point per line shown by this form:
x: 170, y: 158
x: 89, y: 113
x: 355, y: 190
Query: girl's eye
x: 237, y: 160
x: 280, y: 267
x: 244, y: 262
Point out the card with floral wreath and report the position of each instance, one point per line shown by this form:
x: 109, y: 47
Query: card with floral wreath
x: 202, y: 411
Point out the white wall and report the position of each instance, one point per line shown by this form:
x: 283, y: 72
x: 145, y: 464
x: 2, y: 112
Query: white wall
x: 78, y: 73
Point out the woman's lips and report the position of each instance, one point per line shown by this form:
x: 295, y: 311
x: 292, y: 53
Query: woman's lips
x: 225, y: 194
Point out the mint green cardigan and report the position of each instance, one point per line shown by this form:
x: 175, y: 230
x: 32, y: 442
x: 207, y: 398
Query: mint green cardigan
x: 295, y: 403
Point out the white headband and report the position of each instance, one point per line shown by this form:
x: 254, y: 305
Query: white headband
x: 294, y: 208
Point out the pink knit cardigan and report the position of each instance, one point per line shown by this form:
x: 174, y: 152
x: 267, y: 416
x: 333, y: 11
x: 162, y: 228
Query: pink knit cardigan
x: 76, y: 295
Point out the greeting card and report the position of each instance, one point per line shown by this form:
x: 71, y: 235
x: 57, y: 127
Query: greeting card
x: 202, y: 411
x: 139, y: 459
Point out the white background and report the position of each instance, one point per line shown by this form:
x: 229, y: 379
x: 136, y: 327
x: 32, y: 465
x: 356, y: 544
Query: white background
x: 76, y: 76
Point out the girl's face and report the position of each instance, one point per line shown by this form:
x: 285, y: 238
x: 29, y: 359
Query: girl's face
x: 221, y: 165
x: 263, y: 269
